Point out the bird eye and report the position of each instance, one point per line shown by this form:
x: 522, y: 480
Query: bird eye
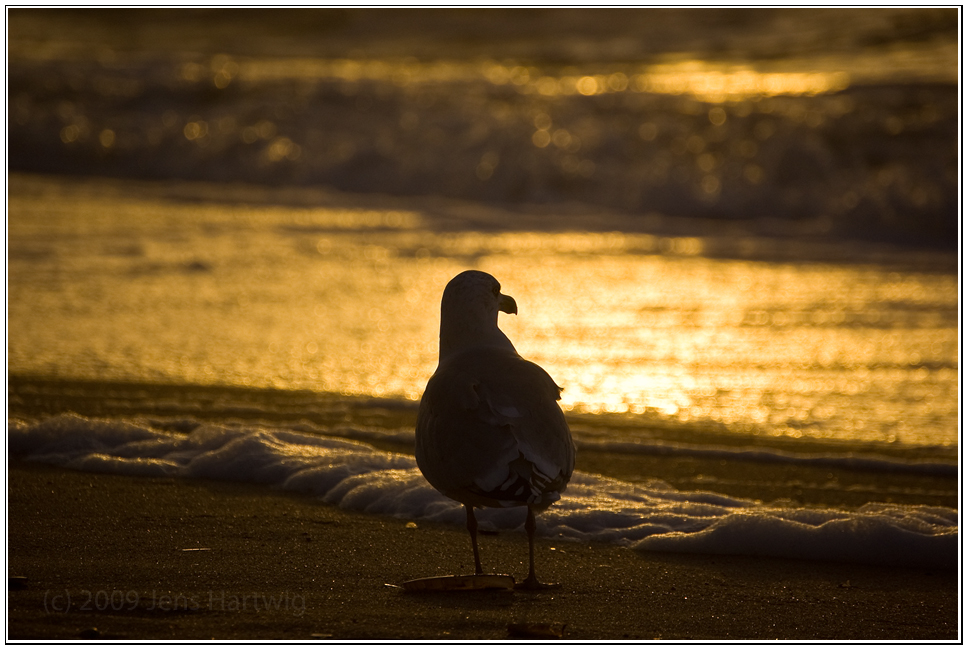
x: 497, y: 290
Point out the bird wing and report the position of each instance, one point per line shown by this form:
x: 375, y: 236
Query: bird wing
x: 490, y: 432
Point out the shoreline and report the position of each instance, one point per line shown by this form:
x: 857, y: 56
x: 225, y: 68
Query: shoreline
x: 193, y: 559
x: 800, y: 484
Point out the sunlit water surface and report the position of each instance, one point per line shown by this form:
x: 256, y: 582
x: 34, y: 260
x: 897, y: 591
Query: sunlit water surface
x: 108, y: 280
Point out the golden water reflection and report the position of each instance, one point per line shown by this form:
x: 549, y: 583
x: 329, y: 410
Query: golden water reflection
x: 346, y: 301
x: 707, y: 81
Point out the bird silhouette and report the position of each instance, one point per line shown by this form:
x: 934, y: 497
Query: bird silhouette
x: 490, y: 432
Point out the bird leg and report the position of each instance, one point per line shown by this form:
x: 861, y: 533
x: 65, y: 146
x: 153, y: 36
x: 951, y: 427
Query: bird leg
x: 472, y: 529
x: 531, y: 582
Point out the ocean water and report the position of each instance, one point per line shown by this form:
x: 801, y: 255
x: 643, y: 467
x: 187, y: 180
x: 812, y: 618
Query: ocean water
x: 115, y: 280
x: 842, y: 376
x: 226, y: 255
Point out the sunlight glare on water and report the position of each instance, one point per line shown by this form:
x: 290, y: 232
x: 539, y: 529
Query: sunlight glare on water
x: 819, y: 351
x: 347, y: 301
x: 709, y: 81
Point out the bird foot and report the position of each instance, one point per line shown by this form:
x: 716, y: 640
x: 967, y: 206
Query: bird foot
x: 533, y: 584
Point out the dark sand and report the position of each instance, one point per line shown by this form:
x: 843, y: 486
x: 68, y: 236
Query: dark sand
x: 111, y: 557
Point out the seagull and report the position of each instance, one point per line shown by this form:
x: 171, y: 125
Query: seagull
x: 490, y: 432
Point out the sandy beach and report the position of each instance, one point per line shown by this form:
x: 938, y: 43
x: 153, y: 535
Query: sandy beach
x: 115, y: 557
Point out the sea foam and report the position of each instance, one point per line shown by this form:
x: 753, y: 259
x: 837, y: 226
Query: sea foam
x: 357, y: 476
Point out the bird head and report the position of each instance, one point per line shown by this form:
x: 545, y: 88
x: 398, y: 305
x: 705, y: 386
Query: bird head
x: 468, y: 313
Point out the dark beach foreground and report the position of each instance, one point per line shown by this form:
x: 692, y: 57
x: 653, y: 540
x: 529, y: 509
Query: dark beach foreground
x: 116, y: 557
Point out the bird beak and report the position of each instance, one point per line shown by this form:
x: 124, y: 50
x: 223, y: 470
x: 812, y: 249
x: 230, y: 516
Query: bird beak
x: 507, y: 305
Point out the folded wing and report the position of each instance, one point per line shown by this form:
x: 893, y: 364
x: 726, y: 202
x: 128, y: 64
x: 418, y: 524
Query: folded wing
x: 490, y: 431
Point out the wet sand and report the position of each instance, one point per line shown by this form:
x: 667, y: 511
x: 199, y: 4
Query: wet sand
x: 116, y: 557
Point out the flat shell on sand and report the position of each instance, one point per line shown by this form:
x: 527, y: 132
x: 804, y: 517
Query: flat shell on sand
x: 460, y: 583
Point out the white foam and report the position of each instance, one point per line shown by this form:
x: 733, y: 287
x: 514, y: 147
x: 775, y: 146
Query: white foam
x: 591, y: 441
x: 356, y: 476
